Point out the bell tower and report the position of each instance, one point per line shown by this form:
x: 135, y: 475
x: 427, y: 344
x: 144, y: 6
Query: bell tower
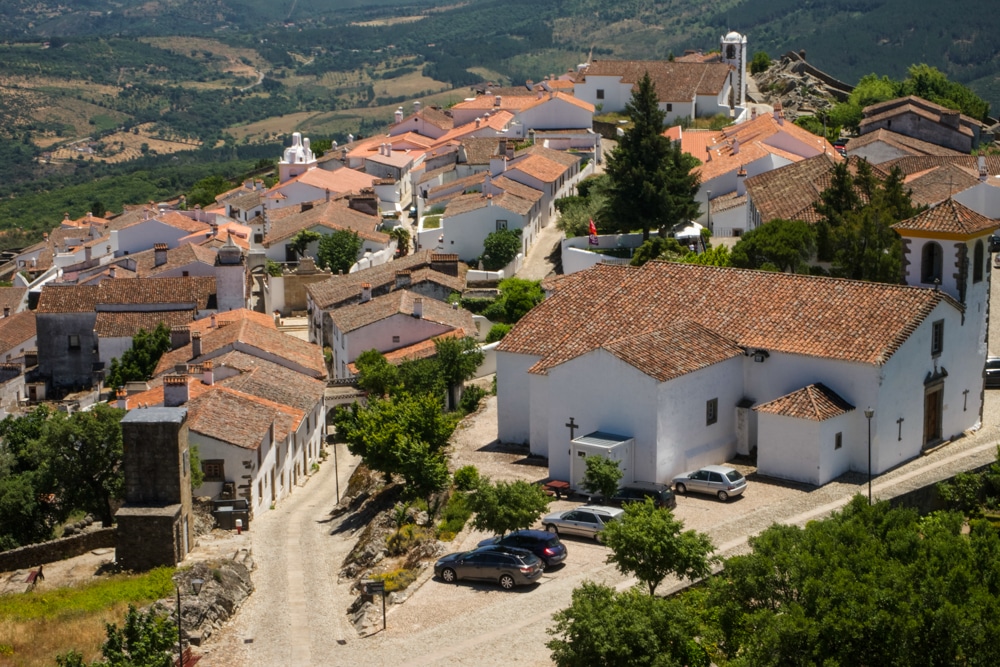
x: 733, y: 47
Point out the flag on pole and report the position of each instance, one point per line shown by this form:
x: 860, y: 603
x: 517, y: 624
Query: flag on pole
x: 593, y: 233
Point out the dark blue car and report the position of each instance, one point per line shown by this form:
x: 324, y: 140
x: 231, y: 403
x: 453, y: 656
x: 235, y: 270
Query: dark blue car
x: 543, y: 544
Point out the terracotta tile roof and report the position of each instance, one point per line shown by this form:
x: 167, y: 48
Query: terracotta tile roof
x: 916, y: 105
x: 153, y: 396
x: 517, y: 189
x: 422, y: 350
x: 939, y: 183
x: 12, y: 297
x: 496, y: 122
x: 400, y: 302
x: 435, y: 117
x: 244, y: 200
x: 727, y: 202
x: 177, y: 221
x: 948, y: 217
x: 817, y: 402
x: 337, y: 181
x: 969, y: 163
x: 127, y: 324
x: 675, y: 81
x: 914, y: 147
x: 475, y: 201
x: 334, y: 215
x: 795, y: 314
x: 118, y: 294
x: 271, y: 381
x: 562, y: 157
x: 238, y: 418
x: 250, y: 337
x: 16, y: 329
x: 789, y: 192
x: 204, y: 325
x: 479, y: 150
x: 341, y: 289
x: 541, y: 168
x: 183, y: 255
x: 680, y: 348
x: 459, y: 185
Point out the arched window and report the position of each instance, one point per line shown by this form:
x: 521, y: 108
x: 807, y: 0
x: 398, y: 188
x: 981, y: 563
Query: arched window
x: 930, y: 265
x: 977, y: 264
x: 730, y: 52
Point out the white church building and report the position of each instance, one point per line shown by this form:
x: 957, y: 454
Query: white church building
x: 672, y: 366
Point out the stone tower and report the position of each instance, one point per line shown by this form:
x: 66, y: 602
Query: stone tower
x: 155, y: 526
x: 734, y: 52
x: 297, y: 159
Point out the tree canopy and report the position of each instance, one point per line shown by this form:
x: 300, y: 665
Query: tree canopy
x: 601, y: 476
x: 146, y: 639
x: 517, y: 297
x: 869, y: 586
x: 338, y: 251
x: 779, y: 245
x: 649, y: 543
x: 139, y: 361
x: 651, y: 182
x: 301, y: 241
x: 500, y: 248
x: 502, y: 507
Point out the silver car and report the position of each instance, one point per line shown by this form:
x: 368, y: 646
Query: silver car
x: 587, y: 521
x: 721, y: 481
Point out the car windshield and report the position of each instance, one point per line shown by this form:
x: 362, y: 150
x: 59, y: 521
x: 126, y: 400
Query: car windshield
x: 993, y: 363
x: 734, y: 476
x: 553, y: 542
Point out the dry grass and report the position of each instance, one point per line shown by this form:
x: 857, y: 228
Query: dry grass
x: 122, y: 146
x: 233, y: 63
x: 36, y: 643
x: 387, y: 22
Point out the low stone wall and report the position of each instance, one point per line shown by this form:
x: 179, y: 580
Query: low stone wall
x: 48, y: 552
x: 926, y: 499
x: 606, y: 130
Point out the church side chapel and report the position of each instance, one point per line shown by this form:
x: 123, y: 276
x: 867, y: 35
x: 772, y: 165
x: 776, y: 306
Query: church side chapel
x: 669, y: 367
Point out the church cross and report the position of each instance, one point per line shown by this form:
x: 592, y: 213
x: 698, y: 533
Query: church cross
x: 572, y: 426
x: 965, y: 400
x: 899, y: 422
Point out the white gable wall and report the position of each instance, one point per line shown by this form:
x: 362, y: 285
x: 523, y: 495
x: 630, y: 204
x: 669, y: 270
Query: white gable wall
x: 792, y: 449
x: 464, y: 233
x: 143, y: 235
x: 513, y: 397
x: 556, y: 114
x: 615, y: 96
x: 983, y: 198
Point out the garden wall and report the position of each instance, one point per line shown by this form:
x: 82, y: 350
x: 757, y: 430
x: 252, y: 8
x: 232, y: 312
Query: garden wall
x: 54, y: 550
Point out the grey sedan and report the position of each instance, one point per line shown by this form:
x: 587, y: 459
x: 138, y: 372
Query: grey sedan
x: 721, y: 481
x: 587, y: 521
x: 506, y: 566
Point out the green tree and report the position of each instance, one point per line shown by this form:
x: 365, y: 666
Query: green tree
x: 375, y: 374
x: 338, y: 251
x: 650, y: 543
x: 25, y: 516
x: 760, y: 62
x: 500, y: 248
x: 300, y: 242
x: 601, y: 476
x: 497, y: 332
x: 517, y: 297
x: 502, y: 507
x: 715, y: 256
x: 781, y: 245
x: 401, y: 235
x: 203, y: 192
x: 659, y: 247
x: 603, y: 628
x: 422, y: 376
x: 197, y: 474
x: 932, y: 84
x: 146, y: 639
x: 139, y: 361
x: 458, y: 359
x: 651, y: 183
x: 83, y: 459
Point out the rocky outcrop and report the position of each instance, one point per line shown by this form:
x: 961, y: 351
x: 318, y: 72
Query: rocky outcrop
x: 226, y: 585
x: 802, y: 89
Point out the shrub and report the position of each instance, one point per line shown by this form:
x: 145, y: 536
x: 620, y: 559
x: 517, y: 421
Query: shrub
x: 455, y: 514
x: 406, y: 538
x: 471, y: 397
x: 396, y: 580
x: 497, y: 332
x: 466, y: 478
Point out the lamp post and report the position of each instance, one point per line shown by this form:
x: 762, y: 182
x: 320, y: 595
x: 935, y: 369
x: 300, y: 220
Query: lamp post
x: 708, y: 208
x: 869, y: 413
x: 196, y: 585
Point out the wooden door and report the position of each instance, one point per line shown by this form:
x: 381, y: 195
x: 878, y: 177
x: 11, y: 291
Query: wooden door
x: 932, y: 416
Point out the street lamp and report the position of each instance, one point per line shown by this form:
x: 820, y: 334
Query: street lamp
x: 708, y: 204
x: 869, y: 413
x: 196, y: 585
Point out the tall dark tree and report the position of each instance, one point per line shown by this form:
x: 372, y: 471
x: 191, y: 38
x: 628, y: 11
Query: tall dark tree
x: 139, y: 361
x: 780, y: 245
x: 651, y: 181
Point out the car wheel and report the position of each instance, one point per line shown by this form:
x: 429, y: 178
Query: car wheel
x: 448, y: 575
x: 680, y: 488
x: 723, y: 496
x: 552, y: 529
x: 506, y: 582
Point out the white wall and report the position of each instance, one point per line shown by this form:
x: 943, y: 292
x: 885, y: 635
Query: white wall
x: 378, y: 336
x: 464, y: 233
x: 513, y: 397
x: 616, y: 93
x: 556, y: 114
x: 145, y: 235
x: 576, y: 255
x: 983, y: 198
x: 791, y: 450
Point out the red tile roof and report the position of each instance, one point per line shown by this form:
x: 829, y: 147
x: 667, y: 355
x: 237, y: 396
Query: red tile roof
x: 239, y: 419
x: 675, y: 81
x: 334, y: 215
x: 196, y: 291
x: 820, y: 317
x: 679, y: 348
x: 400, y: 302
x: 16, y: 329
x: 948, y: 217
x: 127, y: 324
x: 817, y: 402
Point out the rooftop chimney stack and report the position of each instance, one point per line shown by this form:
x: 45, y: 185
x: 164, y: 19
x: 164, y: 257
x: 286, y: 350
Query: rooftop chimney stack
x: 6, y: 311
x: 175, y: 391
x: 398, y: 115
x: 159, y: 254
x: 208, y: 373
x: 366, y: 292
x: 195, y: 344
x: 983, y: 173
x: 418, y: 307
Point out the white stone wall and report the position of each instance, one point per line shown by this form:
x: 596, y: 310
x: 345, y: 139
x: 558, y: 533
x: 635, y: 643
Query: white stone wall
x: 513, y: 397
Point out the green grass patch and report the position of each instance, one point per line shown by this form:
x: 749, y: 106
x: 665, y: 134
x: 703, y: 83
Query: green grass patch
x: 68, y: 602
x: 432, y: 222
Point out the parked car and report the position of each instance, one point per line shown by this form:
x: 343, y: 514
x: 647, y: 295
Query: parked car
x: 638, y: 492
x: 543, y: 544
x: 588, y: 520
x: 992, y: 372
x: 721, y: 481
x: 506, y: 566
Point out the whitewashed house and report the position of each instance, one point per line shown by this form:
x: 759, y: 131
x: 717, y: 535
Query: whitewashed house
x: 696, y: 364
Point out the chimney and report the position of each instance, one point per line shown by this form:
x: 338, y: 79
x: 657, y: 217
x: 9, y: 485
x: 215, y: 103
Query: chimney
x: 159, y: 254
x: 479, y: 121
x: 399, y: 115
x: 328, y: 194
x: 403, y: 279
x: 950, y: 118
x: 741, y: 182
x: 753, y: 113
x: 736, y: 146
x: 214, y: 321
x: 983, y: 173
x: 708, y: 154
x: 6, y: 311
x: 180, y: 336
x: 248, y: 184
x: 418, y: 307
x: 88, y: 253
x: 121, y: 399
x: 487, y: 184
x: 111, y: 272
x: 416, y: 106
x: 195, y: 344
x: 541, y: 94
x: 208, y: 373
x: 388, y: 150
x: 175, y: 391
x: 366, y: 292
x: 497, y: 100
